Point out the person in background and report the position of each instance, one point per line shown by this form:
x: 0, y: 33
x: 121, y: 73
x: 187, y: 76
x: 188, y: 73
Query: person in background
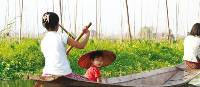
x: 192, y: 48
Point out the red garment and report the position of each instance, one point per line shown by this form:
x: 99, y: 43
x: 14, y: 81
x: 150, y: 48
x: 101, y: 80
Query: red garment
x: 93, y: 73
x: 193, y: 65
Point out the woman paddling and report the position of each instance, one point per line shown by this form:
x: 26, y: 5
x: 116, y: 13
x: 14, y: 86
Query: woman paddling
x: 54, y: 50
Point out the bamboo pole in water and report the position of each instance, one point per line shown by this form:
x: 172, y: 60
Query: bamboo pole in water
x: 100, y: 19
x: 37, y: 19
x: 199, y: 10
x: 187, y: 18
x: 177, y: 13
x: 141, y: 16
x: 15, y: 15
x: 75, y: 17
x: 70, y: 24
x: 129, y: 29
x: 96, y: 35
x: 5, y: 18
x: 82, y: 12
x: 61, y: 11
x: 169, y: 31
x: 157, y: 19
x: 21, y: 18
x: 53, y: 4
x: 122, y: 27
x: 7, y: 12
x: 122, y: 5
x: 134, y: 25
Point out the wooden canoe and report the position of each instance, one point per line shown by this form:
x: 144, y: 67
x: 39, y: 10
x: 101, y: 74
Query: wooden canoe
x: 169, y: 76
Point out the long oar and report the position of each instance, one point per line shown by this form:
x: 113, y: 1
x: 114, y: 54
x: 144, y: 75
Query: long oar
x: 67, y: 32
x: 79, y: 37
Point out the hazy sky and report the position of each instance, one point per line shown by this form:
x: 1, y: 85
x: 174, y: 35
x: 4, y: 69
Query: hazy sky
x: 113, y: 14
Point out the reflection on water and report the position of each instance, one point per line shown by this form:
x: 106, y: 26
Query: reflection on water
x: 16, y: 83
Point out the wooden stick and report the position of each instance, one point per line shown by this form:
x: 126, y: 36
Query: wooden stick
x: 79, y: 37
x: 67, y: 32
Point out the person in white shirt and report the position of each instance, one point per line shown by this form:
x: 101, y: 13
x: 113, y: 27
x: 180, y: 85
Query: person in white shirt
x: 192, y: 48
x: 54, y: 50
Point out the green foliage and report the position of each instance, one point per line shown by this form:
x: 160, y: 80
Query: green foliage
x: 132, y: 57
x: 20, y: 59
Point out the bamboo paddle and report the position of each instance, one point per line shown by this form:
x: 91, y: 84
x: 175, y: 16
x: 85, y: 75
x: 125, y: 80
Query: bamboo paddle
x: 79, y: 37
x: 67, y: 32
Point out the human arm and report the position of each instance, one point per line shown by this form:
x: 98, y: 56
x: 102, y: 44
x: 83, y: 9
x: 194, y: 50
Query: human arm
x: 82, y: 44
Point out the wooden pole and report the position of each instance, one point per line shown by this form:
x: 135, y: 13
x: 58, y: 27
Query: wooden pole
x: 96, y: 35
x: 37, y: 20
x: 199, y: 10
x: 177, y: 13
x: 61, y: 12
x: 53, y: 4
x: 129, y: 29
x: 21, y: 18
x: 75, y: 18
x: 141, y: 16
x: 67, y: 32
x: 8, y: 11
x: 157, y: 20
x: 169, y: 31
x: 70, y: 23
x: 77, y: 39
x: 15, y: 15
x: 134, y: 25
x: 122, y: 20
x: 99, y: 19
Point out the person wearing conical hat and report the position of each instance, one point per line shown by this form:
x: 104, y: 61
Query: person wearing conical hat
x: 93, y: 61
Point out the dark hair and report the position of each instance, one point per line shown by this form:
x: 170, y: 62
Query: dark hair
x: 96, y: 54
x: 50, y: 21
x: 195, y: 30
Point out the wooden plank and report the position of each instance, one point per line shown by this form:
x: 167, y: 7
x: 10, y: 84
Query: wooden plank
x: 151, y: 80
x: 61, y: 81
x: 182, y: 77
x: 168, y: 76
x: 142, y: 75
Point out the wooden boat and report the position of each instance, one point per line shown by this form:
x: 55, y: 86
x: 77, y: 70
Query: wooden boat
x: 169, y: 76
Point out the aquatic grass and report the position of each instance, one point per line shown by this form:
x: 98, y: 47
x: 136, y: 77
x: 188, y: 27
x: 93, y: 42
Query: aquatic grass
x: 20, y: 59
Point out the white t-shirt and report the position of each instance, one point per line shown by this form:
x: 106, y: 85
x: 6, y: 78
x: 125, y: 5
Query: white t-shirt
x: 191, y: 48
x: 54, y: 51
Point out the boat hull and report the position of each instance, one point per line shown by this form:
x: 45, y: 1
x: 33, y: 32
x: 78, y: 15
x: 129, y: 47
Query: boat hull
x: 176, y: 76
